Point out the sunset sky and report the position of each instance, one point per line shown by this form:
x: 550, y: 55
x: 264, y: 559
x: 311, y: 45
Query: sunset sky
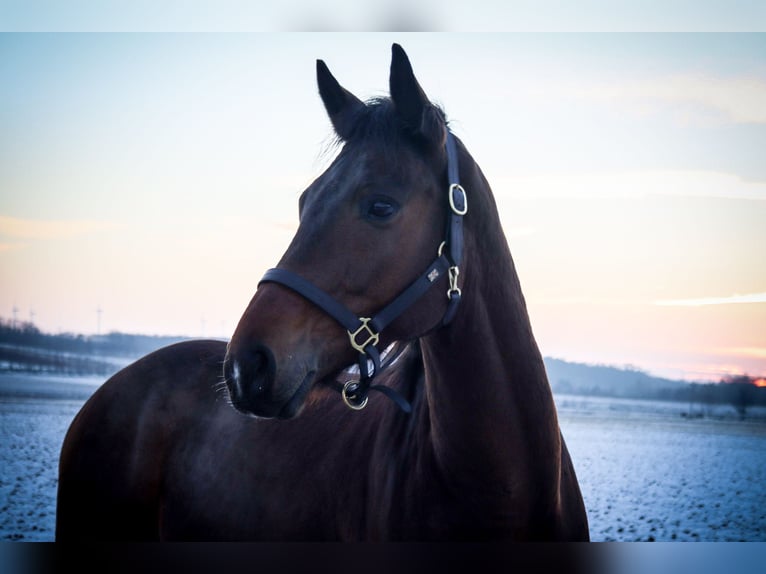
x: 155, y: 177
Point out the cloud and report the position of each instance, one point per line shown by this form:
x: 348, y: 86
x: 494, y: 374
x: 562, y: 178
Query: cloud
x: 291, y: 226
x: 46, y: 229
x: 704, y: 301
x: 752, y: 352
x: 630, y: 184
x: 516, y: 232
x: 739, y: 99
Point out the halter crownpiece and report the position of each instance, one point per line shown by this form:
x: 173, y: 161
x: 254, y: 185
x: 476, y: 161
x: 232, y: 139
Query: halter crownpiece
x: 364, y: 332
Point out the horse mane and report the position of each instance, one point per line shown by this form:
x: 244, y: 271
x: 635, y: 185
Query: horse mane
x: 378, y: 120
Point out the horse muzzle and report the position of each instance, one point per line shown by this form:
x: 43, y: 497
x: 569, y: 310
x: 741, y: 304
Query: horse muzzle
x: 257, y: 387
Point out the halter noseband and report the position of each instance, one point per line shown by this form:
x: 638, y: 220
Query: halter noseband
x: 364, y: 332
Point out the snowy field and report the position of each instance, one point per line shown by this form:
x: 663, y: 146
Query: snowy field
x: 646, y: 471
x: 650, y: 473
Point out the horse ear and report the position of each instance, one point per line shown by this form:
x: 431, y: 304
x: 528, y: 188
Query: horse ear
x: 342, y: 106
x: 416, y: 111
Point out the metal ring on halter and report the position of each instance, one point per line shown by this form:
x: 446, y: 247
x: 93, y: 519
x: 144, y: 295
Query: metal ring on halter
x: 458, y: 210
x: 348, y: 396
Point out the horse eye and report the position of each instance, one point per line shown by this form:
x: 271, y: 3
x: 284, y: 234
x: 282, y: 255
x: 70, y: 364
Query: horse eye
x: 381, y: 209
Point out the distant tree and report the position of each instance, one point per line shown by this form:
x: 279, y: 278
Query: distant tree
x: 741, y: 393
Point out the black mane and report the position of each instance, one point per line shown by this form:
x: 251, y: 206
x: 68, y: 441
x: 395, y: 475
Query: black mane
x: 378, y: 120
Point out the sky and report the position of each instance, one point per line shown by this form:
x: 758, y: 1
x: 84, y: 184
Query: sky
x: 148, y: 180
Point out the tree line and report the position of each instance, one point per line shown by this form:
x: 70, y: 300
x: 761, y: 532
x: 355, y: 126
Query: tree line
x: 25, y: 348
x: 741, y: 392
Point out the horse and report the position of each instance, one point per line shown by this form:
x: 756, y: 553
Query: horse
x: 383, y: 384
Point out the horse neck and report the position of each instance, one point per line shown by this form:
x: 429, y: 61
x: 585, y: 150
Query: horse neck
x: 491, y: 409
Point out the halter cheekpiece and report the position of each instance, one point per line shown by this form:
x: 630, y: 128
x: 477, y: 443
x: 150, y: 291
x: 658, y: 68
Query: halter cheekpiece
x: 364, y: 332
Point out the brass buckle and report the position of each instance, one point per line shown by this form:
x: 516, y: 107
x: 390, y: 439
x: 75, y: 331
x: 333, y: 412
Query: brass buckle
x: 454, y: 272
x: 452, y: 189
x: 349, y: 396
x: 372, y: 337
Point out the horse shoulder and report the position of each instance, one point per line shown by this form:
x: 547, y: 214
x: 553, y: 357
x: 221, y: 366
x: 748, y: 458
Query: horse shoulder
x: 114, y: 453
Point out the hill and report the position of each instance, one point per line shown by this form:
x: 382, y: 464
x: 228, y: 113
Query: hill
x: 25, y: 349
x: 603, y: 380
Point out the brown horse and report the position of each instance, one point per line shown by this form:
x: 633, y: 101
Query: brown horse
x: 401, y: 217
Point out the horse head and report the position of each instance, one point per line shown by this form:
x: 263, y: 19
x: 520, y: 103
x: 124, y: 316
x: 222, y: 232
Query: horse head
x: 369, y: 226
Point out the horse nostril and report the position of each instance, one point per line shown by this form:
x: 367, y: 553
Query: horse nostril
x: 251, y: 371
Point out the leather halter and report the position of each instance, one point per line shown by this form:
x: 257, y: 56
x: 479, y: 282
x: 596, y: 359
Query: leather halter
x: 364, y: 332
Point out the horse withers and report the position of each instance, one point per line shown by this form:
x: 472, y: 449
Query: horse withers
x: 444, y: 429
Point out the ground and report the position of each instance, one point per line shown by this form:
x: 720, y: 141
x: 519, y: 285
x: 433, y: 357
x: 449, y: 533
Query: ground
x: 647, y: 470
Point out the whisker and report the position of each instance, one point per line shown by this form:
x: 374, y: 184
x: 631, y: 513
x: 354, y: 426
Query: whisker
x: 221, y: 390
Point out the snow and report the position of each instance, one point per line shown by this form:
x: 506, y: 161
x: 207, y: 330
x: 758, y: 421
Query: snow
x: 646, y: 471
x: 32, y: 431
